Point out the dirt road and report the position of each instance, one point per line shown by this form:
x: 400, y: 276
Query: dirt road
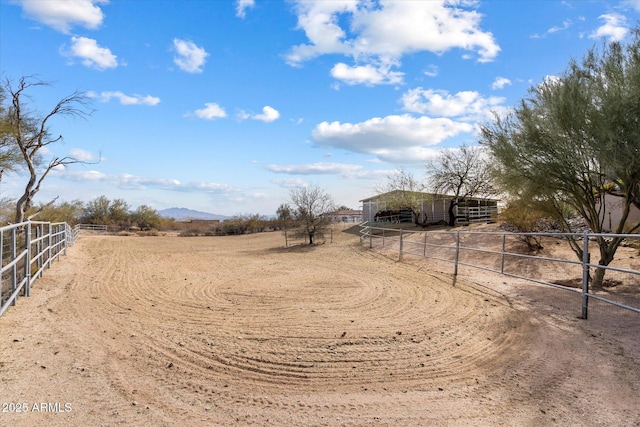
x: 241, y: 331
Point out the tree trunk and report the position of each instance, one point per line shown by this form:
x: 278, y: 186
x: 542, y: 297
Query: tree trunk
x: 598, y: 278
x: 311, y: 238
x: 452, y: 216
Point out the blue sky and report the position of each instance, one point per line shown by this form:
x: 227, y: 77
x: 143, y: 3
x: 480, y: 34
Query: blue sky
x: 224, y: 106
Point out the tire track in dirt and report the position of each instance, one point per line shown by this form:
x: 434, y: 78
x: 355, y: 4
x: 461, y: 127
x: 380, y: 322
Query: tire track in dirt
x: 322, y: 326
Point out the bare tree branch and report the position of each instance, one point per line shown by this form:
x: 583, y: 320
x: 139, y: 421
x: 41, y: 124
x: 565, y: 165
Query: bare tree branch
x: 29, y: 133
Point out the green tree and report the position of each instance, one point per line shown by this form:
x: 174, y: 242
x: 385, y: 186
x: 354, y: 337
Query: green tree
x: 97, y: 211
x: 69, y: 212
x: 28, y: 133
x: 10, y: 154
x: 566, y: 143
x: 285, y: 215
x: 146, y: 218
x: 311, y: 204
x: 119, y: 213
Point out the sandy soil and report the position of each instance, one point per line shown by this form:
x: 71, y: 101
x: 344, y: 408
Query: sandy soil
x: 242, y: 331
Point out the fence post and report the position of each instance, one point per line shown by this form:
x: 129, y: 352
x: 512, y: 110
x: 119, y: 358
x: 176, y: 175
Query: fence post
x: 370, y: 237
x: 504, y: 238
x: 49, y: 250
x: 66, y: 239
x: 455, y: 268
x: 14, y: 270
x: 400, y: 256
x: 27, y: 262
x: 1, y: 263
x: 383, y: 237
x: 586, y: 258
x: 424, y: 252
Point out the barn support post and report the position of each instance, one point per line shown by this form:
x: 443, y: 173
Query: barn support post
x: 585, y: 275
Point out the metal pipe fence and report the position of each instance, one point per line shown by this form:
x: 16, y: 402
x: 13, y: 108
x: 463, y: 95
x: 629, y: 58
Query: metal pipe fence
x: 501, y: 252
x: 26, y: 250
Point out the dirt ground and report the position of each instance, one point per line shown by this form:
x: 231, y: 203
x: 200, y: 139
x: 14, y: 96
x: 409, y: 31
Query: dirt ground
x: 239, y: 330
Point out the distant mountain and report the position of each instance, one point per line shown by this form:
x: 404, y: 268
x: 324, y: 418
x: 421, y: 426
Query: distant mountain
x: 181, y: 214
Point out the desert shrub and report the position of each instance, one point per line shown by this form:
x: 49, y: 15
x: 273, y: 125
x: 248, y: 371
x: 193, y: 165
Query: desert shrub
x: 147, y: 233
x: 521, y: 218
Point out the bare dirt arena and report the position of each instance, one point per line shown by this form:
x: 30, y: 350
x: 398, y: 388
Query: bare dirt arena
x: 220, y: 331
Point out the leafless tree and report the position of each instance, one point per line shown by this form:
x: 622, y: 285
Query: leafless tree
x: 461, y: 172
x: 29, y: 133
x: 311, y: 204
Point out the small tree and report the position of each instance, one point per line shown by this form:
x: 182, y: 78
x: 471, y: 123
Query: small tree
x: 285, y: 216
x: 119, y: 213
x: 462, y: 172
x: 311, y: 204
x: 97, y: 211
x: 29, y: 133
x: 146, y: 218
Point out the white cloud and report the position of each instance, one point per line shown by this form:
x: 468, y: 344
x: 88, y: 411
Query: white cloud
x: 614, y: 27
x: 91, y: 54
x: 500, y: 82
x: 290, y: 183
x: 465, y: 105
x: 320, y: 168
x: 210, y: 111
x: 633, y: 3
x: 134, y: 99
x: 431, y: 71
x: 81, y: 155
x: 365, y: 74
x: 382, y: 32
x: 62, y: 15
x: 269, y: 114
x: 565, y: 25
x: 242, y: 6
x: 390, y: 137
x: 190, y: 57
x: 127, y: 181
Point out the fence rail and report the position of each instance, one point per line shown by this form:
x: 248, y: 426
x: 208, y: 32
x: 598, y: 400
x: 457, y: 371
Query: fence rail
x: 26, y: 250
x: 463, y: 248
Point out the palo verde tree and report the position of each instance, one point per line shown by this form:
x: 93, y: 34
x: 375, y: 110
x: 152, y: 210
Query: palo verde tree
x: 574, y: 139
x: 311, y: 203
x: 26, y: 136
x: 461, y: 172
